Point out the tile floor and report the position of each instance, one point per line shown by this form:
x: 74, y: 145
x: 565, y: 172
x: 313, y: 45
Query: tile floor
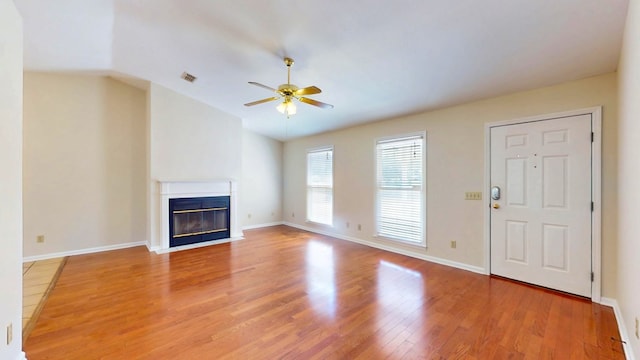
x: 38, y: 278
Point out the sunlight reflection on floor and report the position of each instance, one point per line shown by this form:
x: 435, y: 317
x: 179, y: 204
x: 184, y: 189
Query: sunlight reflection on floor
x: 401, y: 295
x: 321, y: 278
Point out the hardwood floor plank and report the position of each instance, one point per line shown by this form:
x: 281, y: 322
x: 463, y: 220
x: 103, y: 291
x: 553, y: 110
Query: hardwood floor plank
x: 284, y: 293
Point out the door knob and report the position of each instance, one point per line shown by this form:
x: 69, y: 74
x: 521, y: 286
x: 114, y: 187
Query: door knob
x: 496, y: 206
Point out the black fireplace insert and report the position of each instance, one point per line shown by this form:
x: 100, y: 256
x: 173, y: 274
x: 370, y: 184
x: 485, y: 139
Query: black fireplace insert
x: 194, y: 220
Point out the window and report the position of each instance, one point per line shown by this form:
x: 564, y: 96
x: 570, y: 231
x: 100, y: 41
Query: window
x: 400, y: 189
x: 320, y: 186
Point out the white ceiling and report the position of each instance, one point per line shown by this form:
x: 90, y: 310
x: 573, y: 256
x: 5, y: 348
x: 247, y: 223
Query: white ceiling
x: 372, y: 59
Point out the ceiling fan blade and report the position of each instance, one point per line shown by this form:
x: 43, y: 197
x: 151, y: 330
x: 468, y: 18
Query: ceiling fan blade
x: 262, y: 101
x: 315, y: 103
x: 262, y: 86
x: 309, y: 90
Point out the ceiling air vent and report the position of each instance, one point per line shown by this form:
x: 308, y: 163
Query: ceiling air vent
x: 188, y: 77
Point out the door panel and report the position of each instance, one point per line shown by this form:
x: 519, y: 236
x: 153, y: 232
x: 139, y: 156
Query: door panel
x: 554, y: 242
x: 554, y: 182
x: 517, y: 241
x: 541, y: 226
x: 516, y: 182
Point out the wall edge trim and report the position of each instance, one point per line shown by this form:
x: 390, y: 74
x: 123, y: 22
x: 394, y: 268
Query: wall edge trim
x: 83, y: 251
x: 433, y: 259
x: 622, y: 328
x: 258, y: 226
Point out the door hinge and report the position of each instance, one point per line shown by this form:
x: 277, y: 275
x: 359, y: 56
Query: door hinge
x: 592, y: 206
x: 592, y: 276
x: 592, y: 136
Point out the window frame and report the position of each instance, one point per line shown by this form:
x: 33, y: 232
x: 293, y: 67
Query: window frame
x: 308, y: 186
x: 422, y: 136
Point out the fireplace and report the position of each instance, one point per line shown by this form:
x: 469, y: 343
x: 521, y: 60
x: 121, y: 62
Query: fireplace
x: 195, y: 220
x: 194, y: 213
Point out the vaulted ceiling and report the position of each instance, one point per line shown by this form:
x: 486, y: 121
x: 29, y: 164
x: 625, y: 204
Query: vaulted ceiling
x: 372, y: 59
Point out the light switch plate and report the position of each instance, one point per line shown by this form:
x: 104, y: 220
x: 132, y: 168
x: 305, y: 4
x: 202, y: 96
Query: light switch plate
x: 473, y: 195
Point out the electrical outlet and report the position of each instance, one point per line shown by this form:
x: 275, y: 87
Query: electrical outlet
x: 473, y: 195
x: 40, y: 239
x: 347, y: 224
x: 293, y: 214
x: 637, y: 330
x: 453, y: 244
x: 359, y: 227
x: 9, y: 333
x: 249, y: 216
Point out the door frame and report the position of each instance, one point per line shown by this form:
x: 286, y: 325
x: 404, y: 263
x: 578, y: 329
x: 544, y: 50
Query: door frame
x: 596, y: 188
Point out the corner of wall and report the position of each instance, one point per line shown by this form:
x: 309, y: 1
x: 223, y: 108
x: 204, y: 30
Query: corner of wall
x: 11, y: 143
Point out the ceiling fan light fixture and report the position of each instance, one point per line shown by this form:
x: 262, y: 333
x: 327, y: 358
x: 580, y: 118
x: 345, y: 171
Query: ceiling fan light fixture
x: 287, y: 107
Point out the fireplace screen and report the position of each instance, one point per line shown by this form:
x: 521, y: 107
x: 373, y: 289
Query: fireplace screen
x: 195, y: 220
x: 198, y: 222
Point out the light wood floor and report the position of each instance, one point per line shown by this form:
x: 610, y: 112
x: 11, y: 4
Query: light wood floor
x: 287, y: 294
x: 38, y: 278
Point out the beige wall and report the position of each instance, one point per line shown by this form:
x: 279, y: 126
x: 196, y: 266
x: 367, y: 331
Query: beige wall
x: 188, y: 141
x: 455, y: 164
x: 261, y: 180
x: 191, y: 140
x: 628, y: 295
x: 84, y: 163
x: 94, y: 148
x: 10, y: 179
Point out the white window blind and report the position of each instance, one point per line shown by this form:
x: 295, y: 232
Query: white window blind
x: 400, y: 189
x: 320, y: 186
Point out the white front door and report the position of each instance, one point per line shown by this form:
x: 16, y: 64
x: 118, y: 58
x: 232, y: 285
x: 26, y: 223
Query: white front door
x: 541, y: 224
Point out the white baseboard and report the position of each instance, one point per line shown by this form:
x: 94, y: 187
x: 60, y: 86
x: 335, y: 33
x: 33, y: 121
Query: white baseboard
x: 22, y: 356
x: 433, y: 259
x: 83, y: 251
x: 624, y: 335
x: 249, y: 227
x: 151, y: 248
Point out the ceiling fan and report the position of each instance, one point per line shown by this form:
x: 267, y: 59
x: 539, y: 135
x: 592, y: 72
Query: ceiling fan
x: 287, y: 92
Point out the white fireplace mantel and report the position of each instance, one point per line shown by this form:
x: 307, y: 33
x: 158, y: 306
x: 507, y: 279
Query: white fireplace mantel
x: 184, y: 189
